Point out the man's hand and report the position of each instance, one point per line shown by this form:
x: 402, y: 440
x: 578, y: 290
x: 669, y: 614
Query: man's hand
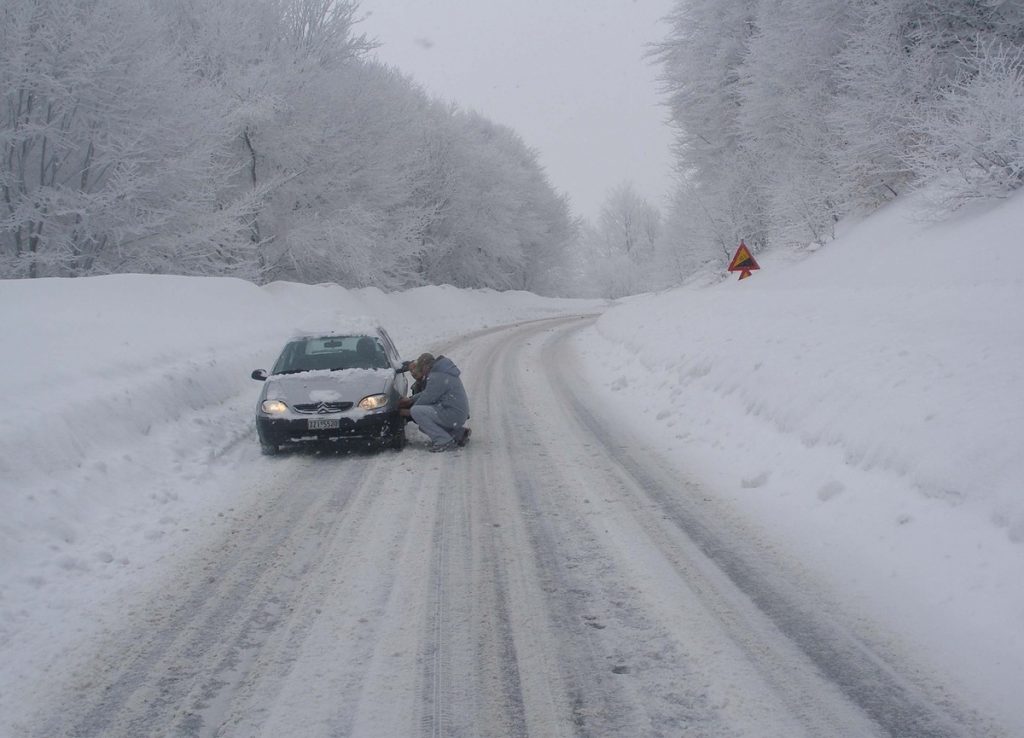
x: 404, y: 403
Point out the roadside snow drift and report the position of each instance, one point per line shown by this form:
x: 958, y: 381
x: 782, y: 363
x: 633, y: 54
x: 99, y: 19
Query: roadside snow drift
x: 865, y: 403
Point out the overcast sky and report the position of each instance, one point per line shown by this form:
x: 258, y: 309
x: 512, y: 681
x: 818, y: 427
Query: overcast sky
x: 568, y: 75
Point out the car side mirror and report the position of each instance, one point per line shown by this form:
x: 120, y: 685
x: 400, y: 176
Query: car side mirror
x: 260, y: 374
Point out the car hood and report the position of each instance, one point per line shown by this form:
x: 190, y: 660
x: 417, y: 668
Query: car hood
x: 346, y: 385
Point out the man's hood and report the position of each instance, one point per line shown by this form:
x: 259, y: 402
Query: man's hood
x: 445, y: 366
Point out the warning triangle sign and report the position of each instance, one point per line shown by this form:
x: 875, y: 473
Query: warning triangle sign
x: 743, y: 261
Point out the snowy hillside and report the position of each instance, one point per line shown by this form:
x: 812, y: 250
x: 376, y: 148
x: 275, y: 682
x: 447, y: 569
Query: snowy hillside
x: 866, y: 404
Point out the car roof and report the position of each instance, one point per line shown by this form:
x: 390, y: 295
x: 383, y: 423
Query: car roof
x: 333, y: 334
x: 337, y: 324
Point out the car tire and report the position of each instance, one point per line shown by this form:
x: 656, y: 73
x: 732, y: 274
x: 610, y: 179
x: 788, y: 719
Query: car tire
x: 397, y: 440
x: 269, y: 449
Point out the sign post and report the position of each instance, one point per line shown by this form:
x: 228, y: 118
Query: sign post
x: 743, y: 261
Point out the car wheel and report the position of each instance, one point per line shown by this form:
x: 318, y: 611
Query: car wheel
x: 269, y: 449
x: 397, y: 441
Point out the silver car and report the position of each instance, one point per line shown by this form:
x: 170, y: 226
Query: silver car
x: 331, y: 388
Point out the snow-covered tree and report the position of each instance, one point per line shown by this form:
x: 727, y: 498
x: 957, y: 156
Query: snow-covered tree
x: 703, y: 64
x: 107, y: 151
x: 792, y: 113
x: 621, y: 251
x: 252, y: 138
x: 629, y: 224
x: 501, y: 221
x: 788, y: 89
x: 974, y: 135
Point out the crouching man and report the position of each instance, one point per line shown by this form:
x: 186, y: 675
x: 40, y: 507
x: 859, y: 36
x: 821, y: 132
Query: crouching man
x: 441, y: 409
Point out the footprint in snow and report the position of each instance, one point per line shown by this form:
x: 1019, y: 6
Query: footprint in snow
x: 830, y: 490
x: 759, y: 481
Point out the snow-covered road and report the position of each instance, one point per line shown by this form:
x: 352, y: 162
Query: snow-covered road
x: 553, y: 578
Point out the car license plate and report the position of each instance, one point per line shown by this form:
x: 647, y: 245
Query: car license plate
x: 322, y: 423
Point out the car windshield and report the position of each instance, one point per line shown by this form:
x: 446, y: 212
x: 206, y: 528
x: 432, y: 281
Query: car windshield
x: 331, y: 353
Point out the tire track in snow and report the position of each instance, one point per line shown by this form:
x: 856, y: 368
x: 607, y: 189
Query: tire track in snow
x: 900, y: 703
x: 591, y: 704
x: 172, y: 662
x: 471, y: 679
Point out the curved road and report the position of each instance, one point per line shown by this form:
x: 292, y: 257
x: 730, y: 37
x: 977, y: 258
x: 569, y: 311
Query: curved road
x: 553, y: 578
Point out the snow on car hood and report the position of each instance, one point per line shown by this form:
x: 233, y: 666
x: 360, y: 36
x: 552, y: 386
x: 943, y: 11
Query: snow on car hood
x: 344, y: 385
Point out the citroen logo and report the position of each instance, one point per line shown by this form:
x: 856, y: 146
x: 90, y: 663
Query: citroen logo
x: 322, y: 408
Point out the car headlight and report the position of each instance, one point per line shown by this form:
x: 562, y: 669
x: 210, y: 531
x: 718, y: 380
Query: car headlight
x: 373, y: 402
x: 273, y: 407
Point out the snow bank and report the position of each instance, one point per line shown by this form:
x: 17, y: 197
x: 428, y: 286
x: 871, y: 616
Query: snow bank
x: 95, y: 363
x: 119, y: 390
x: 865, y: 406
x: 899, y: 347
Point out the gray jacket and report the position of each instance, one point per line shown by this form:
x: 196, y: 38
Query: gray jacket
x: 444, y: 390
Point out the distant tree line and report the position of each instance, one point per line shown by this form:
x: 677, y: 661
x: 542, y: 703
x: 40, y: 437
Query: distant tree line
x: 257, y: 139
x: 791, y: 114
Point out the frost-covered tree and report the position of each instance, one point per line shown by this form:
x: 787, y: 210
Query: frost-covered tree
x: 362, y: 179
x: 629, y: 224
x: 908, y: 83
x: 692, y: 242
x: 974, y: 133
x: 788, y: 90
x: 622, y: 255
x: 547, y: 231
x: 353, y: 162
x: 252, y: 138
x: 792, y: 113
x: 703, y: 64
x: 107, y: 152
x: 275, y: 65
x: 884, y: 81
x: 501, y: 223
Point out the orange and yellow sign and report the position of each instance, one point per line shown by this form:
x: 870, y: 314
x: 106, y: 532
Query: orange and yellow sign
x: 743, y: 261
